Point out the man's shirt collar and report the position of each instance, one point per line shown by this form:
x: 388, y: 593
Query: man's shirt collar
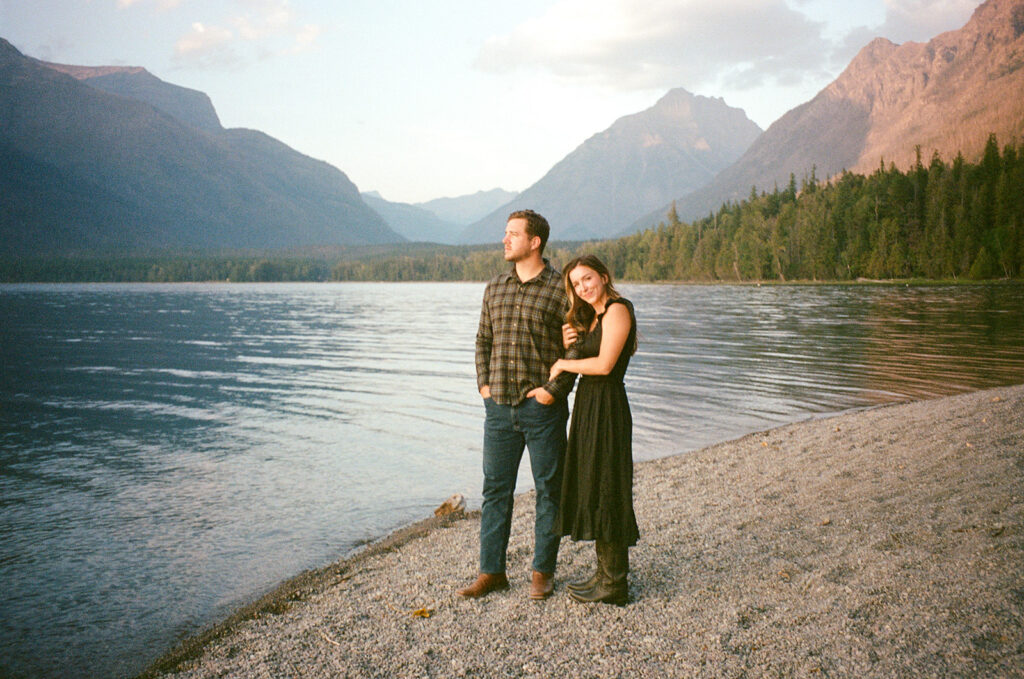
x: 542, y: 277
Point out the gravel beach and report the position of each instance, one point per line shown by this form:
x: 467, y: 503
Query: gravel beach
x: 882, y: 543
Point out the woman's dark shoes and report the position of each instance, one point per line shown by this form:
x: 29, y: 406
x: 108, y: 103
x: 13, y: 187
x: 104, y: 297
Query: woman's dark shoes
x: 611, y: 584
x: 485, y: 584
x: 604, y: 593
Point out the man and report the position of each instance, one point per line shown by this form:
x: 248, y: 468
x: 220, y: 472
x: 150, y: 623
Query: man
x: 519, y: 338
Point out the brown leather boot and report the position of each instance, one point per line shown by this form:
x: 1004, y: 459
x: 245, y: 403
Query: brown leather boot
x: 542, y: 585
x: 613, y: 586
x: 485, y: 584
x: 589, y: 583
x: 584, y: 585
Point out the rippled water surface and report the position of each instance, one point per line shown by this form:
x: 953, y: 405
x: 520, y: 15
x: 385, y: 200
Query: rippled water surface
x: 169, y: 452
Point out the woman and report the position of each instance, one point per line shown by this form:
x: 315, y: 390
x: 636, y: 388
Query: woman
x: 597, y: 485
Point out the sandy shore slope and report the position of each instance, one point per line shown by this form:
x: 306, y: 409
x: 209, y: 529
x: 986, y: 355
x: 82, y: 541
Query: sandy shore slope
x: 883, y: 543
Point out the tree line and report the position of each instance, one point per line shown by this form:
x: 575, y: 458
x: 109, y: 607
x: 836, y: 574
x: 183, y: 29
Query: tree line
x: 940, y: 221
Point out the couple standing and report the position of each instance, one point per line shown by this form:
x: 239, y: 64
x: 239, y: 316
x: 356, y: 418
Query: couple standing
x: 538, y: 330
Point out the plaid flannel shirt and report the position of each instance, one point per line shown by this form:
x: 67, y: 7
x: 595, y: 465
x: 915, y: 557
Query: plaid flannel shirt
x: 520, y: 336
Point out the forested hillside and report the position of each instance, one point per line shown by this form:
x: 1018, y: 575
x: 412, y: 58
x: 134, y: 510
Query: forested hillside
x: 938, y: 221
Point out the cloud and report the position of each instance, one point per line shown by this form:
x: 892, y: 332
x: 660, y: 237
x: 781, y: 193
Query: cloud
x: 259, y: 29
x: 737, y: 45
x: 922, y: 20
x: 306, y: 37
x: 162, y: 4
x: 264, y: 19
x: 206, y: 46
x: 665, y: 43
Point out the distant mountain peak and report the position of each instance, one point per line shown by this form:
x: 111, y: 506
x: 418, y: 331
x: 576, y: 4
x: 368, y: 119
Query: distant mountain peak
x: 641, y: 161
x: 412, y: 221
x: 466, y: 209
x: 680, y: 96
x: 675, y: 95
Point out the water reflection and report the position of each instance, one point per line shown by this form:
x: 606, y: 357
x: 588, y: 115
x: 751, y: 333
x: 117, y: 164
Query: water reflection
x: 719, y: 361
x: 926, y: 342
x: 167, y: 452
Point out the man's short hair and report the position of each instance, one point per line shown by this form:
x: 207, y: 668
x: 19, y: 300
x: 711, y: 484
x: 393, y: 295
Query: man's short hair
x: 536, y: 225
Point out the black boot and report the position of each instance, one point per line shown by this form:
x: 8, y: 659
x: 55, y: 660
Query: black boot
x: 589, y: 583
x: 612, y: 586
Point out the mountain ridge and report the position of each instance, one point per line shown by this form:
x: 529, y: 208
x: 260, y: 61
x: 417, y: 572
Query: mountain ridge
x: 440, y: 220
x: 889, y: 100
x: 135, y: 82
x: 468, y: 208
x: 637, y: 163
x: 131, y: 161
x: 165, y: 182
x: 415, y: 223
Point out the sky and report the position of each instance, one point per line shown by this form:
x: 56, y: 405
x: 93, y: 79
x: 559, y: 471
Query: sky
x: 421, y: 99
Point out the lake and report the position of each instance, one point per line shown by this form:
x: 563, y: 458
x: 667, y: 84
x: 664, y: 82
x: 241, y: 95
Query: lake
x: 169, y: 452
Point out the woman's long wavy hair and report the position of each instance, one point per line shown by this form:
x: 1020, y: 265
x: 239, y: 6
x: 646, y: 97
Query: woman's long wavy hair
x: 581, y: 314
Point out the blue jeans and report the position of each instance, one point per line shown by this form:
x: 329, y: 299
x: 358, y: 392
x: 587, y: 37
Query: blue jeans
x: 507, y: 430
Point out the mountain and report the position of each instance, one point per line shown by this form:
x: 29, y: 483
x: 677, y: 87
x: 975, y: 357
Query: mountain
x: 413, y: 221
x: 441, y: 220
x: 465, y: 210
x: 640, y: 162
x: 947, y: 96
x: 115, y: 160
x: 188, y: 106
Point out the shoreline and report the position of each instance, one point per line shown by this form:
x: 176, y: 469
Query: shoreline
x: 880, y: 542
x: 295, y: 589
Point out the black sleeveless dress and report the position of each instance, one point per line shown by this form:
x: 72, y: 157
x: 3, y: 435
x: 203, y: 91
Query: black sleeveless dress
x: 597, y: 482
